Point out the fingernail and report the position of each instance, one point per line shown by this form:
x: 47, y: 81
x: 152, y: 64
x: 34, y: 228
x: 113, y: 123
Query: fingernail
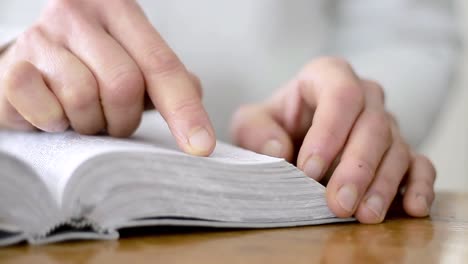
x: 347, y: 197
x: 314, y: 167
x: 200, y: 141
x: 375, y: 204
x: 59, y: 127
x: 422, y: 203
x: 272, y: 148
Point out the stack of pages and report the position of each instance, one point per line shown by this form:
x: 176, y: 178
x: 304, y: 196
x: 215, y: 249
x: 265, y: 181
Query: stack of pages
x: 57, y: 187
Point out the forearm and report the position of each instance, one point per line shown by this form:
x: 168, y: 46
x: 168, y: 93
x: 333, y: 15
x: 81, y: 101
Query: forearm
x: 416, y: 81
x: 409, y: 48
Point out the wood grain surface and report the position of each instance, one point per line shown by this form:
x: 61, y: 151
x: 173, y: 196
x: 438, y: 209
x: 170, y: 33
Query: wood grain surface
x: 442, y: 238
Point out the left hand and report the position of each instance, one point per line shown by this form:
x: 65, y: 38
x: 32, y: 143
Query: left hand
x: 327, y: 120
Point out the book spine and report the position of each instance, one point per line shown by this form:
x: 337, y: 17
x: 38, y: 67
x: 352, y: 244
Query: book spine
x: 73, y: 229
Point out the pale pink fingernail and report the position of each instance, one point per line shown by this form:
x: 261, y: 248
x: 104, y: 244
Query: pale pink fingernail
x: 375, y: 203
x: 347, y: 197
x: 57, y: 127
x: 314, y: 167
x: 272, y: 148
x: 60, y: 126
x: 200, y: 141
x: 421, y: 201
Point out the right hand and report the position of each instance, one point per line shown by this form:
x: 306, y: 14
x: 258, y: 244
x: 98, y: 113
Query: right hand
x: 88, y: 64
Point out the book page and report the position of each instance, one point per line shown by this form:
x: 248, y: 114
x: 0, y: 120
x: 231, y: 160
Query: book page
x: 154, y: 130
x: 55, y: 157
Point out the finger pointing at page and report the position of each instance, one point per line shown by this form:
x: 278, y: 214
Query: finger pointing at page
x: 168, y: 82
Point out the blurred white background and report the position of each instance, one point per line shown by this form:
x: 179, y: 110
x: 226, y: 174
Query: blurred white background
x: 448, y: 143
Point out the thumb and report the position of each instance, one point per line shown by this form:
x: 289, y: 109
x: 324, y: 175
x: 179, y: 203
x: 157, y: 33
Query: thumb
x: 253, y: 127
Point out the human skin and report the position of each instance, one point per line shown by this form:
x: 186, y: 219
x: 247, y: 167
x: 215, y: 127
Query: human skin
x: 79, y: 66
x: 329, y: 121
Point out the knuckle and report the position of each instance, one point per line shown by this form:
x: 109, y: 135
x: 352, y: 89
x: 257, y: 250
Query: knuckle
x: 338, y: 75
x: 127, y: 4
x: 390, y: 183
x: 61, y: 6
x: 367, y: 167
x: 432, y: 174
x: 241, y: 115
x: 197, y: 83
x: 81, y: 97
x: 195, y: 79
x: 328, y: 62
x: 186, y: 107
x: 390, y: 179
x: 241, y: 121
x: 161, y: 60
x: 349, y: 96
x: 333, y: 137
x: 403, y: 153
x: 376, y: 89
x: 380, y: 125
x: 125, y: 88
x: 57, y: 9
x: 393, y: 122
x: 18, y: 74
x: 30, y: 36
x: 244, y: 110
x: 61, y: 17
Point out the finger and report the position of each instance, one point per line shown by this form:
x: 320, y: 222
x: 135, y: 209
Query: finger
x: 121, y: 84
x: 76, y: 89
x: 27, y: 92
x: 368, y: 142
x: 379, y: 196
x: 149, y: 104
x: 419, y: 193
x: 254, y: 128
x: 168, y: 82
x: 197, y: 83
x: 291, y: 111
x: 340, y: 97
x: 10, y: 118
x: 66, y: 76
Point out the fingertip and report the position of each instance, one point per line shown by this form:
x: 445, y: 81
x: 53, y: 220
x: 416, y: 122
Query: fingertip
x: 118, y: 130
x: 58, y: 126
x: 200, y: 142
x: 417, y: 205
x: 273, y: 148
x: 342, y: 202
x: 314, y: 167
x: 253, y: 127
x: 19, y: 75
x: 419, y: 194
x: 372, y: 210
x: 26, y: 91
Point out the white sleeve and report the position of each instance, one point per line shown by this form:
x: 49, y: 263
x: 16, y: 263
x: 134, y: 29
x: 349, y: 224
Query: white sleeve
x: 409, y: 46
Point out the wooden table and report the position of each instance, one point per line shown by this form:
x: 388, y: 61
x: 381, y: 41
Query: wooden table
x: 442, y: 238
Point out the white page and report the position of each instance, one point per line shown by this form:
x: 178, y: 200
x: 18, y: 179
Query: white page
x: 56, y: 156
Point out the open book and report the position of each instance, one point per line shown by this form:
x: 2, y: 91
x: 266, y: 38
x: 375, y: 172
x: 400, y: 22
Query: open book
x: 56, y: 187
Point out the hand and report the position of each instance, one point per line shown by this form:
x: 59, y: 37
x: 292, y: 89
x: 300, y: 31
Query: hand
x: 88, y: 64
x: 327, y: 120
